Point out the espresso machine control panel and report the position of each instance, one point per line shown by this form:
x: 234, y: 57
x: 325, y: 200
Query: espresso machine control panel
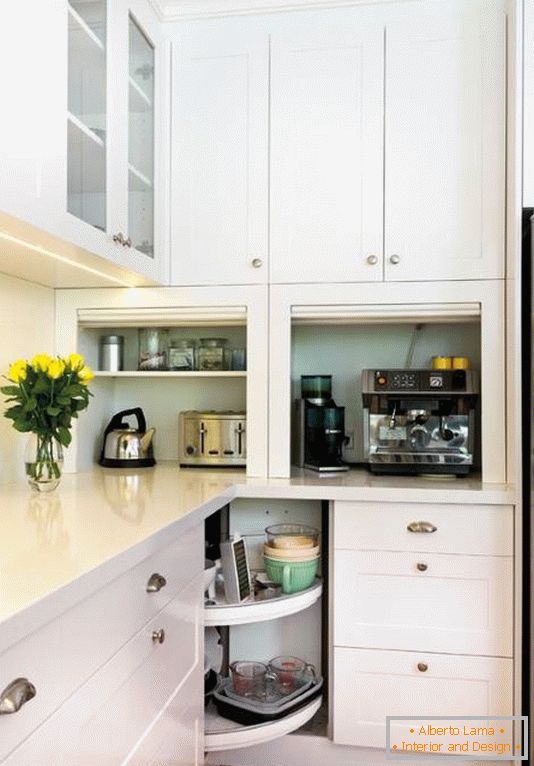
x: 419, y: 381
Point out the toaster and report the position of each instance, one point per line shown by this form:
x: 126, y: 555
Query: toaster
x: 212, y: 438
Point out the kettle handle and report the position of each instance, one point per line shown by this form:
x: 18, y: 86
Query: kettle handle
x: 116, y: 420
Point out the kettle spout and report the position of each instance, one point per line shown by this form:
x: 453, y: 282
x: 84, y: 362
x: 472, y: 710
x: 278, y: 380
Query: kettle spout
x: 146, y: 439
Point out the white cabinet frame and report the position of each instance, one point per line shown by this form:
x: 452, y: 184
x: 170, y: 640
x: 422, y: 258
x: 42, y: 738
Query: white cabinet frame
x: 440, y: 298
x: 253, y: 299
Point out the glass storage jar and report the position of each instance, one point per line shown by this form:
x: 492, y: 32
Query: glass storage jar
x: 153, y: 349
x: 211, y: 354
x: 182, y: 355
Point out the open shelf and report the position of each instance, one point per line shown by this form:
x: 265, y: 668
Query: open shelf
x: 259, y: 611
x: 171, y: 374
x: 222, y: 734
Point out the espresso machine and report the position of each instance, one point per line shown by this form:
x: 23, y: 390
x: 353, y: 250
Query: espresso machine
x: 419, y: 421
x: 318, y: 426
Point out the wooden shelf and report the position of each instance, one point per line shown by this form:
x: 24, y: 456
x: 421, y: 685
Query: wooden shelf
x: 142, y: 182
x: 139, y: 100
x: 171, y: 374
x: 83, y: 25
x: 260, y: 611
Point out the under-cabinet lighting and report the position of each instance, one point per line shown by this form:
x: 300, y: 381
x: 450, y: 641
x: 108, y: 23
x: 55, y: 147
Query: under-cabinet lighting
x: 61, y: 258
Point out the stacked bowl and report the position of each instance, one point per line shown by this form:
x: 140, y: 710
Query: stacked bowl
x: 291, y: 556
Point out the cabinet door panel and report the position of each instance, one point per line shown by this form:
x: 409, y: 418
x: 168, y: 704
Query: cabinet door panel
x: 445, y: 152
x: 370, y: 685
x: 220, y: 157
x: 326, y: 153
x: 439, y: 603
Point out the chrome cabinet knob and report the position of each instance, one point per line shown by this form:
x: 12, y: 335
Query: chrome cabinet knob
x: 119, y: 238
x: 422, y: 567
x: 257, y: 263
x: 158, y: 636
x: 394, y: 259
x: 15, y: 695
x: 372, y: 260
x: 421, y: 527
x: 155, y: 583
x: 422, y: 667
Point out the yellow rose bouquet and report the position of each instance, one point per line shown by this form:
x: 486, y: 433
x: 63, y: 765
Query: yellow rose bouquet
x: 45, y: 394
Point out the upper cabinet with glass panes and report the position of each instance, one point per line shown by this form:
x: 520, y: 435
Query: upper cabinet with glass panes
x: 114, y: 138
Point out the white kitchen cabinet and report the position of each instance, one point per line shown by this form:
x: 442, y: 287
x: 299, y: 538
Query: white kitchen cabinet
x: 220, y: 155
x: 433, y: 602
x: 372, y: 684
x: 445, y: 141
x: 327, y: 95
x: 388, y: 144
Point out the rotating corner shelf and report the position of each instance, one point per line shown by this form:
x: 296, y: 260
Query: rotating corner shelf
x: 222, y: 613
x: 222, y: 734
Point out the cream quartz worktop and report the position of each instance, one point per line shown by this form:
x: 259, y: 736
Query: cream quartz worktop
x: 59, y: 548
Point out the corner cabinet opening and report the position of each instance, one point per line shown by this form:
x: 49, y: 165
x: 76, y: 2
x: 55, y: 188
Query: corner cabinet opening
x: 291, y: 625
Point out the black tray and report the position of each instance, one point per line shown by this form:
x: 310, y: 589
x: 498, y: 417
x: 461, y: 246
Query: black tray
x: 251, y: 714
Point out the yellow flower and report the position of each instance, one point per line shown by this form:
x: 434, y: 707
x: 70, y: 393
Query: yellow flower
x: 56, y: 368
x: 85, y: 375
x: 75, y: 361
x: 18, y: 371
x: 41, y: 362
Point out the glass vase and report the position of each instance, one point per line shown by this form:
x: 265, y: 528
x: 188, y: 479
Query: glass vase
x: 44, y: 462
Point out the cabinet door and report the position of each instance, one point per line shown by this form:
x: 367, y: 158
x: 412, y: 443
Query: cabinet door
x: 220, y: 156
x: 326, y: 152
x: 445, y: 141
x: 439, y: 603
x: 370, y: 685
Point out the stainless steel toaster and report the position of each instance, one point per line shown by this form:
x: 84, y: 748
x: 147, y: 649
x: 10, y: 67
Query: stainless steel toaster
x: 212, y: 438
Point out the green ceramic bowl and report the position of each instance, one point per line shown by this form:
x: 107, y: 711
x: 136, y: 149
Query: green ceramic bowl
x: 291, y: 575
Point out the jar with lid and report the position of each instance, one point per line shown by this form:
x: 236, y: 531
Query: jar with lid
x: 182, y: 354
x: 153, y: 349
x: 111, y: 353
x: 211, y: 354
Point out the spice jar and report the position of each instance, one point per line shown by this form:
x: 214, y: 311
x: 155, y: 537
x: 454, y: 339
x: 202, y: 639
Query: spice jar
x: 211, y: 354
x: 182, y: 353
x: 153, y: 349
x: 111, y: 353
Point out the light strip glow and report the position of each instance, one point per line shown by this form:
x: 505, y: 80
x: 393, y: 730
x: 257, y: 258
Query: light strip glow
x: 61, y: 258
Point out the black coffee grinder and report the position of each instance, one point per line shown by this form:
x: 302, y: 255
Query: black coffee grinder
x: 318, y: 426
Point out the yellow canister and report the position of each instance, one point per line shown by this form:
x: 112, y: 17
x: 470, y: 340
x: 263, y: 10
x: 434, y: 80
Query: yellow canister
x: 460, y: 363
x: 441, y: 363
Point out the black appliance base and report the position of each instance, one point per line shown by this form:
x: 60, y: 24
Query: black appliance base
x: 418, y: 468
x: 146, y: 462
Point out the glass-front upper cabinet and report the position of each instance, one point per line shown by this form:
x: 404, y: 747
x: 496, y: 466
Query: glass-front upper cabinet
x: 87, y: 112
x: 141, y: 115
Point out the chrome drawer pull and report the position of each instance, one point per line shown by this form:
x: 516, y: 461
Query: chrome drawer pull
x: 422, y: 667
x: 422, y: 567
x: 158, y: 636
x: 421, y: 526
x: 15, y: 695
x: 155, y: 583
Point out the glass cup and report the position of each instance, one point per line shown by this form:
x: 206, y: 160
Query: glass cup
x: 251, y: 679
x: 290, y: 672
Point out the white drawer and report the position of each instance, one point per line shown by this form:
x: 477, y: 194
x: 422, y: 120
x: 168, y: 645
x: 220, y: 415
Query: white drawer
x: 370, y: 685
x: 459, y: 604
x: 58, y: 658
x: 476, y: 529
x: 105, y: 721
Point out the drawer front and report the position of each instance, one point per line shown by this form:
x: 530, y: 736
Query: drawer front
x: 433, y: 602
x: 370, y: 685
x: 58, y: 658
x: 104, y: 722
x: 470, y: 529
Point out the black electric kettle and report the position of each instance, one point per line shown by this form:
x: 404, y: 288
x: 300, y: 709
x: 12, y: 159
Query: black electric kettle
x: 127, y: 447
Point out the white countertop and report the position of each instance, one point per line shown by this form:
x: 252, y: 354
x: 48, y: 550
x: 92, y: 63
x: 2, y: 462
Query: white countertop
x: 68, y: 543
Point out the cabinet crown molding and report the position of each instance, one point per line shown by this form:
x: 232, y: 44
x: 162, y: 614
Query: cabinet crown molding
x: 185, y: 10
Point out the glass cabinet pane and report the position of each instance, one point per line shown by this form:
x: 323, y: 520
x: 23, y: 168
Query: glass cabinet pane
x: 86, y: 119
x: 141, y: 141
